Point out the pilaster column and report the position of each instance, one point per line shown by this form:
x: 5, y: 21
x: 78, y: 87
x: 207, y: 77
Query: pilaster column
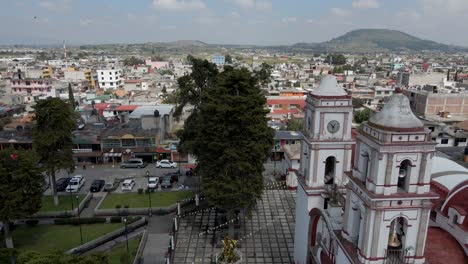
x: 389, y: 169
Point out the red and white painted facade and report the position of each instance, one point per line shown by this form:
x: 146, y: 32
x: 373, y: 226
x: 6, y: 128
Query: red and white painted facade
x: 325, y: 156
x: 346, y: 215
x: 31, y: 89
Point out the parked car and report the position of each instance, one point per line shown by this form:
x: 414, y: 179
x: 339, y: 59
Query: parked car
x: 128, y: 185
x: 61, y: 184
x: 173, y: 175
x: 153, y: 182
x: 112, y: 186
x: 75, y: 184
x: 166, y: 164
x: 166, y: 182
x: 133, y: 163
x: 97, y: 185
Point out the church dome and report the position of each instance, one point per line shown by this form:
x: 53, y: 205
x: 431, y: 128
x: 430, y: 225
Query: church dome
x: 329, y: 87
x: 396, y: 115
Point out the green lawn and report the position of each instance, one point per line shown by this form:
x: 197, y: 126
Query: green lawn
x: 48, y: 238
x: 115, y: 253
x: 65, y: 202
x: 135, y: 200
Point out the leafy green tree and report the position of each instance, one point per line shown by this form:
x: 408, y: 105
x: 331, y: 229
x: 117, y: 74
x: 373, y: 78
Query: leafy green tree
x: 362, y: 115
x: 231, y: 140
x: 294, y: 124
x: 338, y: 69
x: 228, y: 59
x: 133, y: 61
x: 21, y: 185
x: 52, y: 137
x: 71, y: 98
x: 192, y: 86
x: 264, y: 73
x: 336, y: 59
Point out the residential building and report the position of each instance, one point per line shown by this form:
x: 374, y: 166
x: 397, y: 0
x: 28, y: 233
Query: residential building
x: 32, y: 90
x: 110, y: 78
x: 431, y: 102
x: 403, y: 79
x: 218, y: 60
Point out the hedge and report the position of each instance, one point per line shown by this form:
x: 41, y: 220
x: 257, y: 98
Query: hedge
x: 77, y: 221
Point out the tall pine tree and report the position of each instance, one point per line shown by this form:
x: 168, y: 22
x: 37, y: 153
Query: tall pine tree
x: 20, y: 187
x: 52, y: 137
x: 231, y: 140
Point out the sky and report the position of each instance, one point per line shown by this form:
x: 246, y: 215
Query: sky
x: 259, y: 22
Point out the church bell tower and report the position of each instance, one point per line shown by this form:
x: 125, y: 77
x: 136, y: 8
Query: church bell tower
x: 325, y: 156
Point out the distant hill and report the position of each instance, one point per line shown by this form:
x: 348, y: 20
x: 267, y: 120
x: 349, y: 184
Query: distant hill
x: 186, y: 43
x: 378, y: 40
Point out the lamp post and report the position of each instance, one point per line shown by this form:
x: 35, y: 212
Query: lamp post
x: 71, y: 198
x: 149, y: 194
x: 79, y: 218
x: 178, y: 154
x: 126, y: 235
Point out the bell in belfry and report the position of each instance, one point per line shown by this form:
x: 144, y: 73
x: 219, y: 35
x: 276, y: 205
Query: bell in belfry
x: 393, y: 240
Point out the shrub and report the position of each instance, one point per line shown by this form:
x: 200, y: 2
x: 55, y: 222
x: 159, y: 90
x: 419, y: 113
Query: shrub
x: 116, y: 219
x: 118, y: 206
x: 140, y: 190
x: 32, y: 222
x: 76, y: 221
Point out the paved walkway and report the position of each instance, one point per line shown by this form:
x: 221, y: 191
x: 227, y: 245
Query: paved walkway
x: 158, y: 239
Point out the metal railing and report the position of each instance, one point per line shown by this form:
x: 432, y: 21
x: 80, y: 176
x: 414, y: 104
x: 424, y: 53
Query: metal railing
x: 396, y: 256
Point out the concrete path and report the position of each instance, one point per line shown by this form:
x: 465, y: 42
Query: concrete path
x: 121, y: 239
x: 158, y: 239
x: 88, y: 211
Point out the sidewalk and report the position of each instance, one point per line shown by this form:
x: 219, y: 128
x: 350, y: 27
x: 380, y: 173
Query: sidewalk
x: 158, y: 239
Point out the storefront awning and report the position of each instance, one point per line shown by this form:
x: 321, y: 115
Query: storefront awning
x: 110, y: 154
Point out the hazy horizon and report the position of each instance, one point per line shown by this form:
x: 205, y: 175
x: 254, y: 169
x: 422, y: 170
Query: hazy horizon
x: 236, y: 22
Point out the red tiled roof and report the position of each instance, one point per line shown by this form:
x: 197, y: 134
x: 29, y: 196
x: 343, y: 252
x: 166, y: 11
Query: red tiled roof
x: 127, y: 107
x: 442, y: 248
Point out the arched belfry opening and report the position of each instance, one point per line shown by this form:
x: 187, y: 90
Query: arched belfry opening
x: 403, y: 174
x: 396, y: 249
x: 330, y: 168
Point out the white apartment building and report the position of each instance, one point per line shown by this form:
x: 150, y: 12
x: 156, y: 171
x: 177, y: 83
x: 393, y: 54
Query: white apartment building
x: 110, y: 78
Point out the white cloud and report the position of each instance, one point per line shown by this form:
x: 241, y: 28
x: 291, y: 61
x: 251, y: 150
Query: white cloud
x: 55, y: 5
x: 253, y: 4
x: 288, y: 20
x: 340, y: 12
x: 86, y: 22
x: 235, y: 15
x: 439, y: 7
x: 365, y: 4
x: 179, y: 5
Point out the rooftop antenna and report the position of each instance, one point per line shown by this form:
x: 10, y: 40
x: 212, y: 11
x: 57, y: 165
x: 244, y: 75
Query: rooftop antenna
x: 65, y: 53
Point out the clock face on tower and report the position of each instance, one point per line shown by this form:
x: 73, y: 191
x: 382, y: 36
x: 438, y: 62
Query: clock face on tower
x: 333, y: 126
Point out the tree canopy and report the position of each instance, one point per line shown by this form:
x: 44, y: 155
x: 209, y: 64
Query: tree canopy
x: 362, y: 115
x: 192, y: 86
x: 21, y: 185
x: 263, y: 74
x: 336, y: 59
x: 133, y: 61
x: 294, y: 124
x: 228, y: 59
x: 230, y: 137
x: 52, y: 136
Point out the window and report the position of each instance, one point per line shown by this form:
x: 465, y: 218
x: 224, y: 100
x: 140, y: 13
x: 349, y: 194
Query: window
x: 28, y: 83
x: 462, y: 140
x: 431, y: 129
x: 115, y: 73
x: 128, y: 142
x: 143, y: 142
x: 102, y: 78
x: 111, y: 83
x: 110, y: 73
x: 102, y: 73
x: 444, y: 141
x: 103, y: 84
x: 111, y: 143
x: 110, y: 78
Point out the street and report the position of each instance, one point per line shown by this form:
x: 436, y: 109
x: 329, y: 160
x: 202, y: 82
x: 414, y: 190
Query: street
x: 109, y: 173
